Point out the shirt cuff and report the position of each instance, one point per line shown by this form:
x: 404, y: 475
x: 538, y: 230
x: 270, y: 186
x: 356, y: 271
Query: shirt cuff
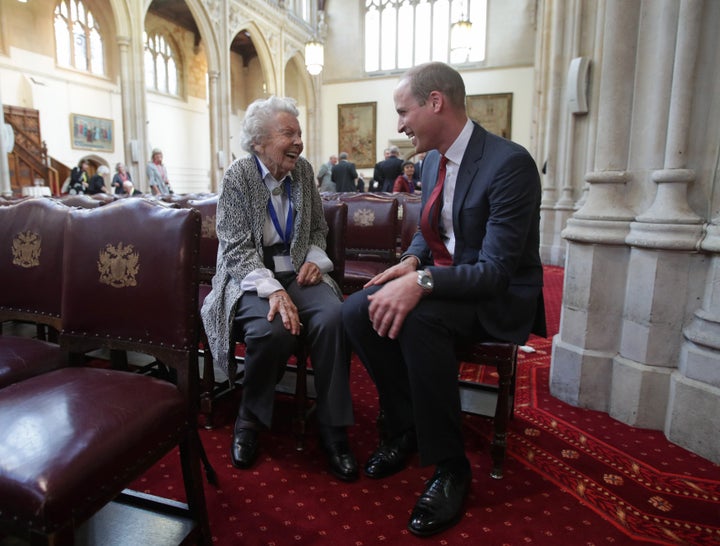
x: 262, y: 282
x: 318, y: 256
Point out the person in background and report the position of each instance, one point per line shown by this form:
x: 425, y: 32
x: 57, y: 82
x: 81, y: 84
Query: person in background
x: 79, y: 178
x: 97, y: 181
x: 418, y: 170
x: 404, y: 182
x: 472, y: 272
x: 387, y: 170
x: 272, y: 284
x: 344, y: 174
x: 157, y: 174
x: 122, y: 181
x: 324, y: 175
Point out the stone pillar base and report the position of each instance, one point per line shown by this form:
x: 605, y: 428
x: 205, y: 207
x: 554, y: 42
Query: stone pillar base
x: 580, y: 377
x: 639, y: 393
x: 692, y: 420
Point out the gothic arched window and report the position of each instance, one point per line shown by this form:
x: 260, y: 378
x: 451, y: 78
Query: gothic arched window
x: 161, y: 69
x: 78, y: 41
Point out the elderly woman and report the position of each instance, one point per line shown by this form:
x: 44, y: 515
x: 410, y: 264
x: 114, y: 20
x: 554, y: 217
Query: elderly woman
x: 272, y: 282
x: 157, y: 174
x: 122, y: 181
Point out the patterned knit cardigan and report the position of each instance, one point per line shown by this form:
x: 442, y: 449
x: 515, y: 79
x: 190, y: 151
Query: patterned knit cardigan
x: 241, y: 213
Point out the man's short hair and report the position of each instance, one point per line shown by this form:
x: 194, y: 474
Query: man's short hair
x: 343, y: 155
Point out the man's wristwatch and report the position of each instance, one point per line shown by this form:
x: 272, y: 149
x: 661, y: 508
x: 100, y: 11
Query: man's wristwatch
x: 425, y: 281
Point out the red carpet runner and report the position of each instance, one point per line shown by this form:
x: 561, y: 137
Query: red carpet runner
x: 573, y: 477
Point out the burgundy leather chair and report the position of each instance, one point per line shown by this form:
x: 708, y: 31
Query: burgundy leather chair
x: 503, y: 357
x: 73, y: 439
x: 410, y: 210
x: 372, y: 237
x: 208, y: 237
x: 31, y: 247
x: 81, y: 201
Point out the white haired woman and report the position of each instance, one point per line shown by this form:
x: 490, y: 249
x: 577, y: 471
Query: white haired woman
x: 97, y: 181
x: 122, y: 181
x: 272, y: 282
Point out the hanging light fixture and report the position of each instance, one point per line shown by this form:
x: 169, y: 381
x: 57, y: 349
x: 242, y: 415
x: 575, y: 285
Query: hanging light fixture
x: 461, y: 36
x: 314, y: 56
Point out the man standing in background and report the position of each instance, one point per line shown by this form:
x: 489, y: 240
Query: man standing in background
x: 344, y: 174
x: 388, y: 170
x: 324, y: 175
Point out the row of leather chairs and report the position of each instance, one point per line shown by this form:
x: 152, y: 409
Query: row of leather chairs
x: 73, y: 436
x: 366, y: 236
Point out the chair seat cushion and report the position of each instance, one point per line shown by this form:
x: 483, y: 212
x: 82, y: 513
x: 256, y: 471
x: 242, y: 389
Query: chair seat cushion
x: 363, y: 271
x: 23, y: 357
x: 73, y: 437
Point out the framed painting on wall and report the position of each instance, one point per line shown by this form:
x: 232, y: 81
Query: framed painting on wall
x: 494, y: 112
x: 356, y: 132
x: 90, y: 133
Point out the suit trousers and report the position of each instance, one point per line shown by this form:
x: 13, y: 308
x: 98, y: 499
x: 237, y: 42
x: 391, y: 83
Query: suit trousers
x: 416, y: 375
x: 269, y: 345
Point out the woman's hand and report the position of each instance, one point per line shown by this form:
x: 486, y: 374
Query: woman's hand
x: 280, y: 302
x: 309, y: 274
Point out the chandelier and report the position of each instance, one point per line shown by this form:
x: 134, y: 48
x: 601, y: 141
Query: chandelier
x: 314, y: 56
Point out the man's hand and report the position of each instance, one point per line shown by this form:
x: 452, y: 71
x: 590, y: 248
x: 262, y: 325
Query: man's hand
x: 280, y: 302
x: 391, y: 304
x: 398, y: 270
x: 309, y: 274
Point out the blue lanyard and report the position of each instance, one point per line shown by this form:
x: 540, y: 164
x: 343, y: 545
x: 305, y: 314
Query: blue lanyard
x: 285, y: 237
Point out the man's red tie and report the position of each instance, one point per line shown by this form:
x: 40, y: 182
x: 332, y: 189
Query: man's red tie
x: 430, y: 219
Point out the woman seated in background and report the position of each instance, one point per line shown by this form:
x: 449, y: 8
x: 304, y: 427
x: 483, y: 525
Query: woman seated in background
x: 97, y: 181
x: 272, y: 284
x: 405, y: 181
x: 79, y: 178
x: 122, y: 181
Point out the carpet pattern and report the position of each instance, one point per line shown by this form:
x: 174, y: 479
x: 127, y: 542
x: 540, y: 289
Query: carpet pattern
x: 572, y: 476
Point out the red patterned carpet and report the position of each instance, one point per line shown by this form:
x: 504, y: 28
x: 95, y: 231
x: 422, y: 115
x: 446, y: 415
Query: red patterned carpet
x: 572, y: 476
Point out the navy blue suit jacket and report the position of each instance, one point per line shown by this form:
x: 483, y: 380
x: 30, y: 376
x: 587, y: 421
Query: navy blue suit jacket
x: 496, y: 220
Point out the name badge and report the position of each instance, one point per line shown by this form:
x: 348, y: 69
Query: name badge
x: 283, y: 263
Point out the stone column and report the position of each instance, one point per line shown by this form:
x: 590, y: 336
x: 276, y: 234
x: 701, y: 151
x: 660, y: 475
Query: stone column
x: 664, y: 237
x: 597, y: 257
x: 694, y: 402
x: 126, y: 98
x: 216, y: 168
x: 550, y: 76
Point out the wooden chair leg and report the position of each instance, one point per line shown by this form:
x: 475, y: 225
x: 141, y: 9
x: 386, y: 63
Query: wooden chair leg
x: 300, y: 418
x: 207, y: 386
x: 503, y: 411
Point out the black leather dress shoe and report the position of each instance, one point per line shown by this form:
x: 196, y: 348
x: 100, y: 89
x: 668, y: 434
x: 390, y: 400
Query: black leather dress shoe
x: 343, y: 464
x: 243, y: 450
x: 391, y: 456
x: 441, y: 505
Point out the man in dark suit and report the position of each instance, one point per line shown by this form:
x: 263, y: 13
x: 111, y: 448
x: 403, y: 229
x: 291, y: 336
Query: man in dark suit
x: 387, y: 170
x: 344, y: 174
x: 474, y: 272
x: 418, y: 170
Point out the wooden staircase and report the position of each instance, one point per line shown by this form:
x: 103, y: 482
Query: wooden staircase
x: 29, y: 159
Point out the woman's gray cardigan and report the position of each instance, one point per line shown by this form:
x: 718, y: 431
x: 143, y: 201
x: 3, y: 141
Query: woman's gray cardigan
x: 241, y: 212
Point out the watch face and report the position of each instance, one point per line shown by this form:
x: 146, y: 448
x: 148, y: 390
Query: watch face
x: 425, y: 281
